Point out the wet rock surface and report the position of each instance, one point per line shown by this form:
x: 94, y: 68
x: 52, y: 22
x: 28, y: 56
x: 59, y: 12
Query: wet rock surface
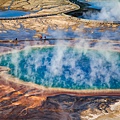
x: 34, y: 27
x: 76, y: 107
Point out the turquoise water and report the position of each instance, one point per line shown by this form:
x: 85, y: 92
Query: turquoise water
x: 66, y: 67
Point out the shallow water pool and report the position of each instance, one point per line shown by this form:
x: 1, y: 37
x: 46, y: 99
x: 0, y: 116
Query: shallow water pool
x: 12, y: 13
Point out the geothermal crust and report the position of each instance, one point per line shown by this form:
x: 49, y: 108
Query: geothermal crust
x: 49, y: 14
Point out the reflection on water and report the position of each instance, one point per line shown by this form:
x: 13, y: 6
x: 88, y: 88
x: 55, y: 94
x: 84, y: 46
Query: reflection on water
x: 21, y: 34
x: 66, y: 67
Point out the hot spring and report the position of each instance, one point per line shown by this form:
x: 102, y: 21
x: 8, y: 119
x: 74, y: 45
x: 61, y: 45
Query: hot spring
x: 65, y: 67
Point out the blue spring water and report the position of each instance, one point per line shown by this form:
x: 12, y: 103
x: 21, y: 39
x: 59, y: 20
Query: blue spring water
x: 70, y: 68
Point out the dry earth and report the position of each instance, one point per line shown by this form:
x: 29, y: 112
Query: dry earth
x: 20, y: 100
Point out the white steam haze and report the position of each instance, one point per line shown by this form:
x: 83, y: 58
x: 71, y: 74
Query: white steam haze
x: 54, y: 68
x: 110, y: 10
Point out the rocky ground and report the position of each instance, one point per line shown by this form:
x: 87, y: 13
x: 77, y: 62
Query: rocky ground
x: 20, y: 100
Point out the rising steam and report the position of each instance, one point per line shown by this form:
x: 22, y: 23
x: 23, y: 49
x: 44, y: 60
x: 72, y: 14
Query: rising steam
x: 66, y: 66
x: 109, y: 10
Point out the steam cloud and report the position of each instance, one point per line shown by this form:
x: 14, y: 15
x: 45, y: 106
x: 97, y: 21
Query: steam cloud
x: 109, y: 10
